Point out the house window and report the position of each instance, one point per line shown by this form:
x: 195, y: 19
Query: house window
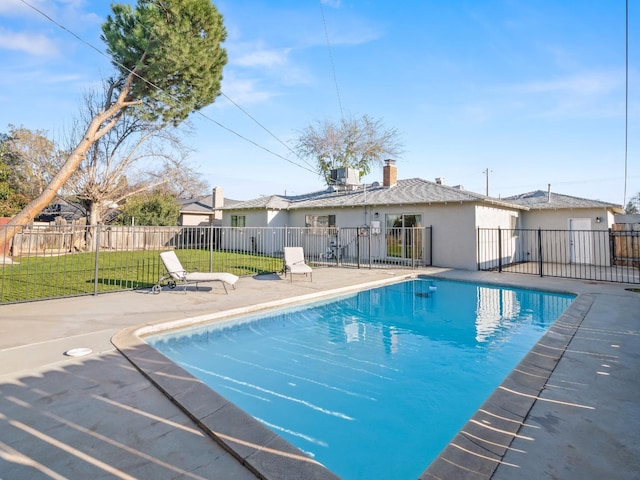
x: 319, y: 222
x: 238, y: 220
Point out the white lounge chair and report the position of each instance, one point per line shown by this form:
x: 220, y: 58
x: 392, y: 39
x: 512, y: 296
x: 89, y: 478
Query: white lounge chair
x: 178, y: 275
x: 294, y: 262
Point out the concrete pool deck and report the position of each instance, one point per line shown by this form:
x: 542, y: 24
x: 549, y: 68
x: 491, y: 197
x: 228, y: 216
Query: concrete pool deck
x: 98, y: 416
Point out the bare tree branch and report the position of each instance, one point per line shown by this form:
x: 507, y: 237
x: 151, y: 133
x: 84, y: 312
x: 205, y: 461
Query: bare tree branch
x: 358, y: 143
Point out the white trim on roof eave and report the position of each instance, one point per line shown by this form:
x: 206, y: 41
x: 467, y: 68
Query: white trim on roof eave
x: 413, y: 203
x: 612, y: 208
x: 199, y: 212
x: 514, y: 206
x: 268, y: 209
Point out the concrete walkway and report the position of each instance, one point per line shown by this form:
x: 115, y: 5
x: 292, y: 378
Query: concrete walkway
x: 571, y: 408
x: 99, y: 417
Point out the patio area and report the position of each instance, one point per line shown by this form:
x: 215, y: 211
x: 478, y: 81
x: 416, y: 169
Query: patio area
x: 98, y: 416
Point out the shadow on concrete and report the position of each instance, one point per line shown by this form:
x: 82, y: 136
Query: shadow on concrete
x: 267, y: 276
x: 257, y: 447
x: 99, y: 418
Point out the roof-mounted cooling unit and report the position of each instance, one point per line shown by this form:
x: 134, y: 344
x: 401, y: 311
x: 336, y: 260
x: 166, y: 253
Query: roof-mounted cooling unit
x: 345, y: 176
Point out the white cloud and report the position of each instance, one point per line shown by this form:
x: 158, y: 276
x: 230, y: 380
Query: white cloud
x: 13, y: 7
x: 270, y: 64
x: 580, y: 84
x: 75, y: 4
x: 262, y: 58
x: 585, y: 95
x: 19, y: 7
x: 244, y: 91
x: 44, y: 77
x: 34, y: 44
x: 332, y: 3
x: 72, y: 78
x: 356, y: 35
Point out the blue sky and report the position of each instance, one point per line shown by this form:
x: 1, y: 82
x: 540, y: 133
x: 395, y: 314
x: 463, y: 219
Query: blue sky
x: 532, y: 91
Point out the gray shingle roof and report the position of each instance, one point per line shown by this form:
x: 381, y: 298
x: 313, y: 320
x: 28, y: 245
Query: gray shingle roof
x: 200, y: 204
x: 61, y: 208
x: 273, y: 202
x: 539, y: 200
x: 409, y: 191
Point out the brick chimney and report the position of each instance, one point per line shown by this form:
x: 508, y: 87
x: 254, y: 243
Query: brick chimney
x: 217, y: 202
x: 389, y: 173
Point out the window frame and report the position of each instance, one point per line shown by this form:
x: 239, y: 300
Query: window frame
x: 320, y: 223
x: 236, y: 219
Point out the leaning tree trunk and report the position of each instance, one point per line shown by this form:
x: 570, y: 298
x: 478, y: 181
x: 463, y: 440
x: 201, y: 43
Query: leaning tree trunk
x: 35, y: 206
x: 100, y: 124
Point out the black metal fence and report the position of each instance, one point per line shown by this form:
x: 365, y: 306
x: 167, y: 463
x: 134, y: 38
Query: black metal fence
x: 579, y: 254
x: 42, y: 262
x: 364, y: 247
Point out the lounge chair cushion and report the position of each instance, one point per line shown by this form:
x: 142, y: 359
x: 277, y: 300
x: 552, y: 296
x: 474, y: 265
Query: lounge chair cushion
x: 228, y: 278
x: 294, y: 261
x: 299, y: 268
x: 176, y: 271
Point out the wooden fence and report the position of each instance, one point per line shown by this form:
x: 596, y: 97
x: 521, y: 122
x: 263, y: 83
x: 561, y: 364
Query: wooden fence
x: 61, y: 239
x: 625, y: 241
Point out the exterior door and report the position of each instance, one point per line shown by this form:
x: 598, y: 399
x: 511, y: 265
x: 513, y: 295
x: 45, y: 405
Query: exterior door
x: 404, y: 239
x: 580, y: 240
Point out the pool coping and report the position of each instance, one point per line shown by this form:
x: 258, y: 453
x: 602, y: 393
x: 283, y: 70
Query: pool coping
x: 478, y: 449
x: 475, y: 452
x: 263, y: 452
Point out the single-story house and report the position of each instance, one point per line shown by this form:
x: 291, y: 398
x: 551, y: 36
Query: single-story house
x: 577, y: 226
x: 205, y: 210
x: 554, y: 211
x: 454, y: 214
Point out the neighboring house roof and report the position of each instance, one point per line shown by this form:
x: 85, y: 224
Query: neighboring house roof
x: 61, y: 208
x: 406, y: 192
x: 200, y: 205
x: 541, y: 200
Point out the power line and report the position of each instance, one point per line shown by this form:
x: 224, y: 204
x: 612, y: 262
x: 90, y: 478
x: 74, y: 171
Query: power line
x: 93, y: 47
x: 626, y: 101
x: 333, y: 68
x: 265, y: 129
x: 255, y: 143
x: 64, y: 28
x: 567, y: 182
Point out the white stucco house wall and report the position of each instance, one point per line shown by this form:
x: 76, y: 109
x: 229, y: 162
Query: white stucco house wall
x: 579, y: 225
x: 454, y: 214
x: 555, y: 211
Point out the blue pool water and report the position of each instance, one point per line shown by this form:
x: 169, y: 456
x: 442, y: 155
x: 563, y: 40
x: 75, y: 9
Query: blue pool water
x: 376, y: 383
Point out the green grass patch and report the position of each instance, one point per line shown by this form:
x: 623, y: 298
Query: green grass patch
x: 37, y: 278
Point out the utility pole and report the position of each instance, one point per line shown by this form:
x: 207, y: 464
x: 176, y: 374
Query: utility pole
x: 486, y: 172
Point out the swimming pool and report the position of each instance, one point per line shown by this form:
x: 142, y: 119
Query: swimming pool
x: 372, y: 384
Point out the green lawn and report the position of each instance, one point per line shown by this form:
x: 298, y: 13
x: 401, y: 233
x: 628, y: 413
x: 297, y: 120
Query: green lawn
x: 36, y: 278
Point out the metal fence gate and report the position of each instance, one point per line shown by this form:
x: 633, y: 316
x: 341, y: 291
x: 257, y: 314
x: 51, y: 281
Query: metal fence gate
x: 579, y: 254
x: 363, y: 247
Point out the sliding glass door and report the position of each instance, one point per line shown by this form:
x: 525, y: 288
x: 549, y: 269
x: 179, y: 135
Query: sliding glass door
x: 404, y: 238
